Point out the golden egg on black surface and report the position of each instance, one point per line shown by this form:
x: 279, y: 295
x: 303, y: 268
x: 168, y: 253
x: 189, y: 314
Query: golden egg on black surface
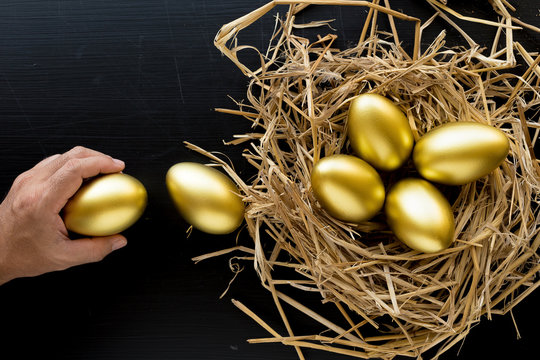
x: 379, y: 131
x: 347, y: 187
x: 419, y: 215
x: 205, y: 197
x: 105, y: 205
x: 460, y: 152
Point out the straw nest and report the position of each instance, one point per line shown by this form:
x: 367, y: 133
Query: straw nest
x: 407, y: 301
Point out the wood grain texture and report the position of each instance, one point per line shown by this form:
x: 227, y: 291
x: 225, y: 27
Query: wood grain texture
x: 134, y: 79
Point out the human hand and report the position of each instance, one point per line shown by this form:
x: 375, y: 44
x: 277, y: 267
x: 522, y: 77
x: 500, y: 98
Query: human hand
x: 33, y: 237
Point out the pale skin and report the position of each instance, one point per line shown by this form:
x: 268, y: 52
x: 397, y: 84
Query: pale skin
x: 33, y: 237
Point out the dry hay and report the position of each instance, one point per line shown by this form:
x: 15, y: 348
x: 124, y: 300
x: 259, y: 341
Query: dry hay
x: 298, y: 101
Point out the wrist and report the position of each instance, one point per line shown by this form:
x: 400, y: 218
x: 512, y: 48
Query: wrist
x: 4, y: 271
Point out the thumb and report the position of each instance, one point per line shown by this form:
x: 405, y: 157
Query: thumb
x: 87, y: 250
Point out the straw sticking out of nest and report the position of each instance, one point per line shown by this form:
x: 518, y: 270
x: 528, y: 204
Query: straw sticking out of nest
x: 298, y: 101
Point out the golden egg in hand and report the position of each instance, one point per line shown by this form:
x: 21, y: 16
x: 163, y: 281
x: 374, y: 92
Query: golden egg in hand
x: 347, y: 187
x: 379, y: 131
x: 205, y: 197
x: 420, y: 216
x: 105, y: 205
x: 460, y: 152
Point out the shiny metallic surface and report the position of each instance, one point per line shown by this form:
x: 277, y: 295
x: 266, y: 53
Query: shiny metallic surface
x: 379, y: 131
x: 205, y: 197
x: 460, y: 152
x: 347, y: 187
x: 420, y: 216
x: 105, y: 205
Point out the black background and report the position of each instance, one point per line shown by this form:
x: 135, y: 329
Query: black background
x: 133, y: 79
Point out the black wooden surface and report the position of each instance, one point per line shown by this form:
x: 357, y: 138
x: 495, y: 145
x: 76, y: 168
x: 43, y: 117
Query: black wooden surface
x: 134, y: 79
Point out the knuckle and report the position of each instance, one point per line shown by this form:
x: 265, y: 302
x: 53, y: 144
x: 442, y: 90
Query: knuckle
x: 95, y: 254
x: 90, y: 253
x: 25, y: 202
x: 48, y: 163
x: 22, y: 179
x: 53, y: 157
x: 99, y: 256
x: 72, y: 165
x: 79, y: 150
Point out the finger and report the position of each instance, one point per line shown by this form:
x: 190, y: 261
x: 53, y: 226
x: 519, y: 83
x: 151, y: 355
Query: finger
x: 89, y: 250
x: 54, y: 163
x: 46, y: 162
x: 67, y: 180
x: 38, y: 173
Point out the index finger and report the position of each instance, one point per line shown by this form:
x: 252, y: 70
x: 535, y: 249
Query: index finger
x: 52, y: 164
x: 65, y: 182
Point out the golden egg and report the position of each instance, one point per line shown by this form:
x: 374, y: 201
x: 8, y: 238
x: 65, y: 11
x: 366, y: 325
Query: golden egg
x: 105, y: 205
x: 379, y: 132
x: 205, y: 197
x: 460, y: 152
x: 419, y: 215
x: 347, y: 187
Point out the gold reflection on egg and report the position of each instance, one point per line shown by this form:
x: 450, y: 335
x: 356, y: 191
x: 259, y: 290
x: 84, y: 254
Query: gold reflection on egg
x: 205, y: 197
x: 460, y: 152
x: 347, y: 187
x: 420, y: 216
x: 379, y: 132
x: 105, y: 205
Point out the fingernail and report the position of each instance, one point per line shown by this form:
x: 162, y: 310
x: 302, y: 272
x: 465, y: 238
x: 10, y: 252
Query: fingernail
x: 118, y: 162
x: 118, y: 243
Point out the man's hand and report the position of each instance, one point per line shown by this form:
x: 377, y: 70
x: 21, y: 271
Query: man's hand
x: 33, y: 237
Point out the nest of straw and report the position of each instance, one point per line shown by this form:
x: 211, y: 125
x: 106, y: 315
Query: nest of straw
x: 298, y: 102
